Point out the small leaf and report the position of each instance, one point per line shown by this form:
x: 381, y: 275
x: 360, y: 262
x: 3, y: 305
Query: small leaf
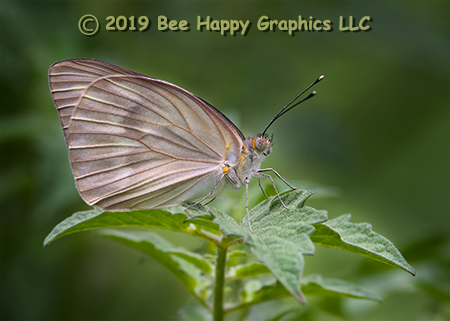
x: 256, y: 292
x: 183, y: 264
x: 316, y: 285
x: 235, y: 257
x: 246, y: 270
x: 93, y: 219
x: 232, y: 254
x: 359, y: 238
x: 250, y: 288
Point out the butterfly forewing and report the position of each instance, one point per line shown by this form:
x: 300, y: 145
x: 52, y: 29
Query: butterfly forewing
x: 138, y: 142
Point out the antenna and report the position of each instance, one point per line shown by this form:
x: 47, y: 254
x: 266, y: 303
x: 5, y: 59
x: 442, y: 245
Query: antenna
x: 285, y: 109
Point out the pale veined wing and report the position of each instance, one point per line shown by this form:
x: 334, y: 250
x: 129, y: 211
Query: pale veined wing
x: 137, y: 142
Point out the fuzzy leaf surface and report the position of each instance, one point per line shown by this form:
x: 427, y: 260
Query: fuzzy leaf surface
x: 96, y: 218
x: 359, y: 238
x: 280, y: 238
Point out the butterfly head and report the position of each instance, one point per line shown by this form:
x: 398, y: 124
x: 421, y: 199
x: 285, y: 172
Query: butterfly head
x: 262, y: 144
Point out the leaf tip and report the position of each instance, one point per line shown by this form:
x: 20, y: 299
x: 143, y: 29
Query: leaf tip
x: 300, y: 298
x: 411, y: 271
x: 48, y: 239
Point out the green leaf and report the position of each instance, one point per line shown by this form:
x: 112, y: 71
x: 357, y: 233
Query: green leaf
x: 246, y: 270
x: 359, y: 238
x: 270, y: 219
x: 206, y: 224
x: 93, y: 219
x: 316, y: 285
x: 281, y: 236
x: 72, y: 224
x: 236, y: 255
x: 264, y: 292
x: 188, y: 267
x: 195, y: 259
x: 256, y: 292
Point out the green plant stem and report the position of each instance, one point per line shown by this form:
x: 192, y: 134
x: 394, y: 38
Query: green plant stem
x: 220, y: 280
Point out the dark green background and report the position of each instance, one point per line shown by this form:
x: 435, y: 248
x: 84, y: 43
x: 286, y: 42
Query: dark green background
x: 377, y: 132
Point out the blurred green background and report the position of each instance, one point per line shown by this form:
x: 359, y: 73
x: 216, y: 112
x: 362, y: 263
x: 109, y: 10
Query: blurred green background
x: 377, y: 133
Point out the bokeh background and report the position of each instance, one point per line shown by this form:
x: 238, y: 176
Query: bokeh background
x: 375, y: 140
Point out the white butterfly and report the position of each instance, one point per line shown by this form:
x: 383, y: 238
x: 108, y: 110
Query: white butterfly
x: 136, y: 142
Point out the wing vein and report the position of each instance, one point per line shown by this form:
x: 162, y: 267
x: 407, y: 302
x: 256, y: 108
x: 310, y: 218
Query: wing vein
x: 156, y: 112
x: 121, y: 166
x: 97, y: 121
x: 199, y: 138
x: 109, y: 157
x: 168, y: 199
x: 139, y: 184
x: 100, y: 146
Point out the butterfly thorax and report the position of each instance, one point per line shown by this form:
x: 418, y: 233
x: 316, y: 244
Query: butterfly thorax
x: 254, y: 150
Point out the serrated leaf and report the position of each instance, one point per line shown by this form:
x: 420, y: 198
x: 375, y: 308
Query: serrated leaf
x: 93, y: 219
x: 295, y: 224
x: 281, y: 236
x: 359, y: 238
x: 181, y: 263
x: 316, y: 285
x: 73, y: 223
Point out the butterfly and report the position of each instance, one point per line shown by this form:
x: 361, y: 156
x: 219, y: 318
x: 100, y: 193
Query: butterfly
x: 137, y: 142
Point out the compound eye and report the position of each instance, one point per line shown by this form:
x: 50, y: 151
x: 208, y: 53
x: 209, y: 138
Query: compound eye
x: 260, y: 144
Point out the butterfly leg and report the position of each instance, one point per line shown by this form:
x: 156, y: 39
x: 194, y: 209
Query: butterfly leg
x: 246, y: 204
x: 212, y: 199
x: 208, y: 195
x: 262, y: 189
x: 278, y: 175
x: 259, y: 174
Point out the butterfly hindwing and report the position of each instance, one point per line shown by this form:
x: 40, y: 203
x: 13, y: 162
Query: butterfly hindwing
x: 138, y: 142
